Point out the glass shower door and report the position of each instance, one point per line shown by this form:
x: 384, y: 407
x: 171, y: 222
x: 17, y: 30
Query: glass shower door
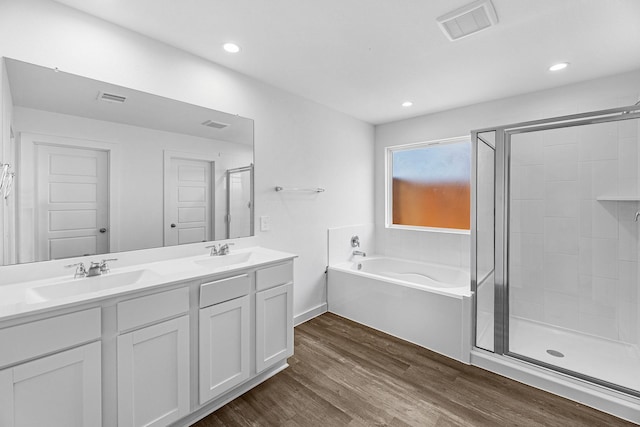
x: 572, y: 252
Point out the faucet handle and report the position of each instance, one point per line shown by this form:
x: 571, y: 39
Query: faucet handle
x: 224, y: 249
x: 80, y: 270
x: 214, y: 250
x: 104, y: 267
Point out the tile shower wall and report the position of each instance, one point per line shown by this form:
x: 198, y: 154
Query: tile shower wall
x: 574, y: 258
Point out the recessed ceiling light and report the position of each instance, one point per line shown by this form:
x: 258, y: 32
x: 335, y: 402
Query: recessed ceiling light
x: 559, y: 66
x: 231, y: 47
x: 407, y: 104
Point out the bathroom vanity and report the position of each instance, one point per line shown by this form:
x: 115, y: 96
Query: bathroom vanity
x: 154, y: 344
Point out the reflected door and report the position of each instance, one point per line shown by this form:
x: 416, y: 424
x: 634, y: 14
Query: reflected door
x: 71, y: 202
x: 188, y: 206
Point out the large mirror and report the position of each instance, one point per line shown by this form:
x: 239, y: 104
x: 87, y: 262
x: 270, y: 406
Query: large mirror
x: 97, y: 168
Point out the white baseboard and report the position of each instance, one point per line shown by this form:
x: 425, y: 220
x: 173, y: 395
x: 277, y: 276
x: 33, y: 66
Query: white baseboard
x: 310, y: 314
x: 598, y: 397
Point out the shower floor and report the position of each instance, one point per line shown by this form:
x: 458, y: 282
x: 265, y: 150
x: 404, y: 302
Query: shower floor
x: 608, y: 360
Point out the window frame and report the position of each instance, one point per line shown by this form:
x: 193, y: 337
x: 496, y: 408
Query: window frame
x: 388, y: 199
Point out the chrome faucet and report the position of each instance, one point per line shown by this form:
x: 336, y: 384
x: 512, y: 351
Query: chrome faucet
x: 220, y: 249
x: 361, y: 253
x: 99, y: 268
x: 80, y: 269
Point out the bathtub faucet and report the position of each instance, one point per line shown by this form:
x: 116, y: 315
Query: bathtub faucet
x: 360, y: 253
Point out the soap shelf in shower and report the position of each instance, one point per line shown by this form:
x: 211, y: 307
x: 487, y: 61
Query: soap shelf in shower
x: 618, y: 198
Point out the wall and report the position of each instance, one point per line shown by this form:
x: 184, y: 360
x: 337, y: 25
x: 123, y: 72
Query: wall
x: 297, y: 142
x: 590, y: 301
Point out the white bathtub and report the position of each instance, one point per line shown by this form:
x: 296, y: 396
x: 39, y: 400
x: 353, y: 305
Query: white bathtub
x: 427, y: 304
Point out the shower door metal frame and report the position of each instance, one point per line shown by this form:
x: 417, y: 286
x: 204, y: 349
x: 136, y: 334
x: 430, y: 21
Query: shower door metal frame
x: 249, y: 169
x: 502, y: 180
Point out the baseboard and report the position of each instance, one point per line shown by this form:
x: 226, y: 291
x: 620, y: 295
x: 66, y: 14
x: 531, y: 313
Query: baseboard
x: 595, y: 396
x: 310, y: 314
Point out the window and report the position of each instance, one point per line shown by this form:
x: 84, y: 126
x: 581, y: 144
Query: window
x: 428, y: 185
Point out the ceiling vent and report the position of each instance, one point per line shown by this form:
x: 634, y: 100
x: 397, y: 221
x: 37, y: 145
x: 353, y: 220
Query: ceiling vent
x: 215, y: 125
x: 110, y: 97
x: 469, y: 19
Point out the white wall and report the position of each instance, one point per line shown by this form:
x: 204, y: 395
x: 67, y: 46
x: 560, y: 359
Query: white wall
x: 297, y: 142
x: 610, y: 92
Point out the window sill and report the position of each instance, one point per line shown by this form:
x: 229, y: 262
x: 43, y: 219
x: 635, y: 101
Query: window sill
x: 428, y: 229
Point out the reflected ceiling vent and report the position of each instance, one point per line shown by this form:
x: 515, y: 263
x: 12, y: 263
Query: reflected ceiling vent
x: 110, y: 97
x: 469, y: 19
x: 215, y: 125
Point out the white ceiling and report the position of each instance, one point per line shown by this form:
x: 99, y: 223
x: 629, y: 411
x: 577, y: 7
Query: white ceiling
x: 365, y: 57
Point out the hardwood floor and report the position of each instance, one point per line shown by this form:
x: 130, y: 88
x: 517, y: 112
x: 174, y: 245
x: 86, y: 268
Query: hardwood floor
x: 345, y: 374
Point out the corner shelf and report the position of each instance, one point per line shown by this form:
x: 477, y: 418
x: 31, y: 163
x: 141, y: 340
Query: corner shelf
x: 618, y: 198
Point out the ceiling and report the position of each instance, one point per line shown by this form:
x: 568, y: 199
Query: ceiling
x: 366, y: 57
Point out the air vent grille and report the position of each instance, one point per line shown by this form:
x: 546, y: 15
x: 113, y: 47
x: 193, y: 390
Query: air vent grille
x: 215, y: 125
x: 469, y: 19
x: 110, y: 97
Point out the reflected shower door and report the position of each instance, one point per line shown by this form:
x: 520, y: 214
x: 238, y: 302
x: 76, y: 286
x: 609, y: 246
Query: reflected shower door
x: 572, y: 252
x: 240, y: 202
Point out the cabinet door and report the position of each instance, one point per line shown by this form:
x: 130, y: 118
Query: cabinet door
x: 62, y: 390
x: 274, y: 325
x: 153, y: 374
x: 224, y: 347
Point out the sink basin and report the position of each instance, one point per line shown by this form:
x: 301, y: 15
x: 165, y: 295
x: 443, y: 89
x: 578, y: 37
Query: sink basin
x: 86, y: 285
x: 224, y: 260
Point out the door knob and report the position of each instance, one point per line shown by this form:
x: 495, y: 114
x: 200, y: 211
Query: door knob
x: 103, y: 230
x: 173, y: 226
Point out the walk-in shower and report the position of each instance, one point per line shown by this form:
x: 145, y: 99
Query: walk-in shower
x: 555, y: 245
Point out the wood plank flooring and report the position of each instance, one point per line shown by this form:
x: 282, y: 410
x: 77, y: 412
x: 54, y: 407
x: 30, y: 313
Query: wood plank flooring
x: 345, y: 374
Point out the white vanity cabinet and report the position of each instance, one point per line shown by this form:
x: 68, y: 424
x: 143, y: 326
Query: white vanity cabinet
x: 224, y: 321
x: 163, y: 351
x: 153, y: 359
x: 274, y: 315
x: 60, y: 384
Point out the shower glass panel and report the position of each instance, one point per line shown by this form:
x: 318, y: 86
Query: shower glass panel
x: 240, y: 202
x: 573, y: 249
x: 484, y: 241
x: 555, y: 244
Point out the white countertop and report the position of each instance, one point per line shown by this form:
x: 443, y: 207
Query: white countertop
x: 22, y: 298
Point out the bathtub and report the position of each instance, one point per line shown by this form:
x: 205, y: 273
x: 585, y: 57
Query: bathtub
x: 426, y: 304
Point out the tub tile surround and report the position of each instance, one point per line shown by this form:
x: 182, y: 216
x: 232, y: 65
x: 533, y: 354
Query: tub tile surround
x: 452, y: 249
x: 574, y: 258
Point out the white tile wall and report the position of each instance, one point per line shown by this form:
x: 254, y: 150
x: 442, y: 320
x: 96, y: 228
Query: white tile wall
x: 426, y: 246
x: 573, y: 258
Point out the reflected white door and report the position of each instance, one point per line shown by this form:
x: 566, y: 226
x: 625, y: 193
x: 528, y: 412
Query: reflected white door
x: 187, y: 213
x: 72, y: 200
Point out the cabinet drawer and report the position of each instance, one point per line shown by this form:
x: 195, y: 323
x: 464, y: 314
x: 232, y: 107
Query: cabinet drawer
x: 152, y: 308
x: 274, y: 276
x: 224, y: 290
x: 34, y: 339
